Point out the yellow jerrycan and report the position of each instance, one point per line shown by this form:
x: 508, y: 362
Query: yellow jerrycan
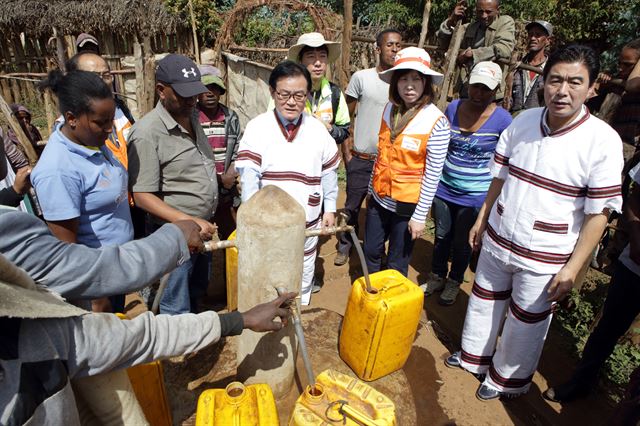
x: 147, y: 381
x: 231, y: 262
x: 380, y: 324
x: 237, y: 405
x: 342, y: 400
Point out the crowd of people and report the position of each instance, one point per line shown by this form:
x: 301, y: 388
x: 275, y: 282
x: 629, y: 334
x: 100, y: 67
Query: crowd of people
x: 525, y: 180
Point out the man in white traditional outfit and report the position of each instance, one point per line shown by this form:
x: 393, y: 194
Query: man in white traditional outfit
x: 291, y: 149
x: 556, y: 177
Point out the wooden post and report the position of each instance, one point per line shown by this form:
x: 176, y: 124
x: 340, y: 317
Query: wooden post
x: 49, y: 104
x: 138, y: 64
x: 22, y: 137
x: 450, y: 64
x: 149, y: 75
x: 425, y: 23
x: 196, y: 46
x: 346, y: 42
x: 60, y: 50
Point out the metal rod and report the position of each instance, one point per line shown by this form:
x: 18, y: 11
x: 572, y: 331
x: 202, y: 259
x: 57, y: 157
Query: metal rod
x: 156, y: 300
x: 218, y: 245
x: 363, y: 263
x: 328, y: 230
x: 297, y: 327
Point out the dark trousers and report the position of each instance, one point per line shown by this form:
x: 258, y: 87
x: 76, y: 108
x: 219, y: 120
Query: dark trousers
x: 358, y: 177
x: 453, y: 223
x: 620, y: 309
x: 383, y: 225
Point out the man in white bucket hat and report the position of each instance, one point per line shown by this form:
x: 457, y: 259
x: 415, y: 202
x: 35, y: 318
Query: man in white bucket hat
x: 326, y: 101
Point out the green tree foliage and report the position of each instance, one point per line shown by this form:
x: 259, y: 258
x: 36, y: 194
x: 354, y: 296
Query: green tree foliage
x: 208, y: 19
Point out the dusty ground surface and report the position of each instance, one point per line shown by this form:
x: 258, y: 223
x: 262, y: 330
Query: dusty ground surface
x: 438, y: 395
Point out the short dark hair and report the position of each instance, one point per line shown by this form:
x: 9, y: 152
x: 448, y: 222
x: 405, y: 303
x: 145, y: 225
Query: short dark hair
x: 575, y: 53
x: 381, y: 34
x: 72, y: 63
x: 394, y: 95
x: 288, y: 69
x: 75, y: 90
x: 633, y: 44
x: 306, y: 49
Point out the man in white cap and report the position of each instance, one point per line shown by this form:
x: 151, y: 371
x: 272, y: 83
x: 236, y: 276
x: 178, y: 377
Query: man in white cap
x: 87, y: 43
x: 527, y: 84
x: 172, y: 174
x: 556, y: 175
x: 326, y: 101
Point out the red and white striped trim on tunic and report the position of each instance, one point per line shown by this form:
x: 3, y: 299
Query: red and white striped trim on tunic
x: 552, y: 180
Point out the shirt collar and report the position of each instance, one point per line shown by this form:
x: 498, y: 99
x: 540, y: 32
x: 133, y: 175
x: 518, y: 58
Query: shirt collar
x: 71, y: 146
x: 325, y: 88
x: 169, y: 122
x: 546, y: 130
x: 284, y: 121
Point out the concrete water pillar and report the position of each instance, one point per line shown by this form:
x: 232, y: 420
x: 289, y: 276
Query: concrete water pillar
x: 270, y: 241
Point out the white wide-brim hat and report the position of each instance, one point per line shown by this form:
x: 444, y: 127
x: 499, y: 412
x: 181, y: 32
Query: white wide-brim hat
x: 21, y: 297
x: 313, y: 40
x: 412, y: 58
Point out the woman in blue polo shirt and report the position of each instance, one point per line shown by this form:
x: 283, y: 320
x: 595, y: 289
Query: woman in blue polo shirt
x: 81, y: 186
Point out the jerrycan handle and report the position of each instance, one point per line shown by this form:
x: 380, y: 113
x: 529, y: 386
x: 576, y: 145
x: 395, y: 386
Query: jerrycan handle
x: 356, y: 242
x: 357, y: 416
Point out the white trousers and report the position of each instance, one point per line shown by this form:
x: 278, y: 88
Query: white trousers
x: 308, y: 269
x: 499, y: 289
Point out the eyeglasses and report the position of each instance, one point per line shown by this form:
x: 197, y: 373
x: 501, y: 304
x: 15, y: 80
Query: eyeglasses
x: 105, y: 75
x: 285, y: 96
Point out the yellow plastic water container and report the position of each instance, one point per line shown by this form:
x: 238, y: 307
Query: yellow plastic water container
x: 147, y: 381
x: 231, y: 258
x: 342, y: 400
x: 379, y: 327
x: 237, y: 405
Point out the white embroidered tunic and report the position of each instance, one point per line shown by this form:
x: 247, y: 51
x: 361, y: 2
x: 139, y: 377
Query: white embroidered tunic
x: 300, y: 167
x: 552, y: 180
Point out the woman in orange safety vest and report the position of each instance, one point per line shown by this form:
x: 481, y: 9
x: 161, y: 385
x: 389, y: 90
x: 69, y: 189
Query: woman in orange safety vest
x: 412, y: 146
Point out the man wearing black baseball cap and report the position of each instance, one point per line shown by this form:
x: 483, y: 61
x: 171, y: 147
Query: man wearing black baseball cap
x: 172, y: 174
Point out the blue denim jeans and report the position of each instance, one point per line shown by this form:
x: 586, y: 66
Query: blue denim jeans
x: 383, y: 225
x: 453, y: 223
x: 187, y: 283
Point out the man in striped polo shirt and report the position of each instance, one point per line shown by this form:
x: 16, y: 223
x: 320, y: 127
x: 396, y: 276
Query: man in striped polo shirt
x: 221, y: 125
x: 556, y: 175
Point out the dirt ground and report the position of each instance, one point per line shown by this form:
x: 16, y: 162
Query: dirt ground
x: 440, y: 395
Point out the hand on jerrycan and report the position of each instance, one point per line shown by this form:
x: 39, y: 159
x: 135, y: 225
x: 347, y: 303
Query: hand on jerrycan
x: 261, y: 317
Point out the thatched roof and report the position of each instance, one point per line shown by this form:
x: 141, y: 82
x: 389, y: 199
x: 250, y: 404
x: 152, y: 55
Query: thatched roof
x: 73, y: 16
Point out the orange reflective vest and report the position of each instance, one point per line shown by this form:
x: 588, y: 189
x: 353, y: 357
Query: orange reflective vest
x: 400, y: 164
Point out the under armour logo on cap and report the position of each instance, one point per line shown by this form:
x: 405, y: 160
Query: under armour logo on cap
x: 182, y: 74
x: 186, y: 73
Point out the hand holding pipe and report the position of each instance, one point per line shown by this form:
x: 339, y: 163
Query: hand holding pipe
x: 297, y: 326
